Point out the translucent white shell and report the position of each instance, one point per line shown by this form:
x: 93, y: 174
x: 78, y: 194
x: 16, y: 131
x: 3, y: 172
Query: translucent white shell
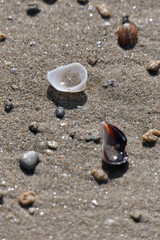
x: 76, y: 82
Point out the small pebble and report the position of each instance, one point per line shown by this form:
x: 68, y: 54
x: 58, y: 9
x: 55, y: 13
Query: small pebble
x: 49, y: 152
x: 27, y: 198
x: 92, y: 59
x: 103, y: 10
x: 90, y: 8
x: 94, y: 202
x: 43, y: 144
x: 33, y: 127
x: 33, y: 9
x: 8, y: 107
x: 2, y: 37
x: 60, y: 112
x: 31, y: 210
x: 109, y: 83
x: 10, y: 18
x: 53, y: 145
x: 82, y: 1
x: 99, y: 175
x: 14, y: 87
x: 153, y: 66
x: 136, y: 216
x: 107, y: 24
x: 14, y: 70
x: 151, y: 136
x: 29, y: 160
x: 93, y: 135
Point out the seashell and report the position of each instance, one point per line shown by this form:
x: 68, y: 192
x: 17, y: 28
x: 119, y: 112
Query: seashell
x: 114, y: 143
x: 127, y: 34
x: 70, y: 78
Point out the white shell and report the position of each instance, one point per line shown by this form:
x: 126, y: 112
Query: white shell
x: 55, y: 78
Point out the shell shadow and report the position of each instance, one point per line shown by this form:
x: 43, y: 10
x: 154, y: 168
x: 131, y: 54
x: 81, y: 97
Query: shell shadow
x: 66, y: 100
x: 153, y: 73
x: 148, y: 145
x: 115, y: 171
x: 50, y: 2
x: 27, y: 172
x: 127, y: 48
x: 33, y: 12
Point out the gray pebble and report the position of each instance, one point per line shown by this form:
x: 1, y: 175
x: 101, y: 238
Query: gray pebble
x: 109, y: 83
x: 29, y: 160
x: 93, y: 135
x: 60, y: 112
x: 33, y: 127
x: 43, y: 144
x: 8, y: 107
x: 31, y: 210
x: 14, y: 70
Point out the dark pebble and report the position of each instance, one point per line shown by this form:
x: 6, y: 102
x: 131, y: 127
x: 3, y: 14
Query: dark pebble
x: 60, y: 112
x: 29, y: 160
x: 8, y: 107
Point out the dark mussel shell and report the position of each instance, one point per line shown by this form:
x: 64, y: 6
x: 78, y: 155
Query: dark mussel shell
x: 114, y: 143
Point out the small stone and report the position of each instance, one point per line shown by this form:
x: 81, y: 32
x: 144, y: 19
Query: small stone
x: 14, y: 87
x: 153, y: 66
x: 33, y: 127
x: 93, y: 135
x: 92, y: 59
x: 43, y: 144
x: 136, y: 216
x: 99, y: 175
x: 10, y: 18
x: 109, y: 83
x: 29, y: 160
x: 8, y: 107
x: 94, y: 202
x: 151, y: 136
x: 14, y: 70
x: 103, y: 10
x: 53, y: 145
x: 109, y: 221
x: 49, y: 152
x: 107, y: 24
x: 31, y: 210
x: 2, y: 37
x: 33, y: 9
x: 27, y: 198
x: 60, y: 112
x: 82, y: 1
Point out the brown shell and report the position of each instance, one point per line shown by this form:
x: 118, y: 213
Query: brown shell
x: 127, y: 35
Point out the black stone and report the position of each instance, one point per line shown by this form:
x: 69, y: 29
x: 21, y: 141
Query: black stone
x: 60, y: 112
x: 8, y: 107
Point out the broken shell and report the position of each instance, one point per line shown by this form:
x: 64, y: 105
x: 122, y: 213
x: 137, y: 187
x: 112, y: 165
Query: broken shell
x: 153, y: 66
x: 70, y: 78
x: 127, y: 34
x: 114, y: 143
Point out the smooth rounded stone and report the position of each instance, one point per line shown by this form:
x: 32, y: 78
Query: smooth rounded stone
x: 29, y: 160
x: 31, y: 210
x: 49, y: 152
x: 53, y: 145
x: 14, y: 70
x: 27, y: 198
x: 33, y: 127
x: 153, y: 66
x: 99, y: 175
x: 60, y: 112
x: 8, y: 107
x: 92, y: 59
x: 93, y: 135
x: 103, y: 10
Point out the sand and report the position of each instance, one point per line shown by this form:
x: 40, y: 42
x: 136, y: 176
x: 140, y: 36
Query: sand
x: 69, y: 203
